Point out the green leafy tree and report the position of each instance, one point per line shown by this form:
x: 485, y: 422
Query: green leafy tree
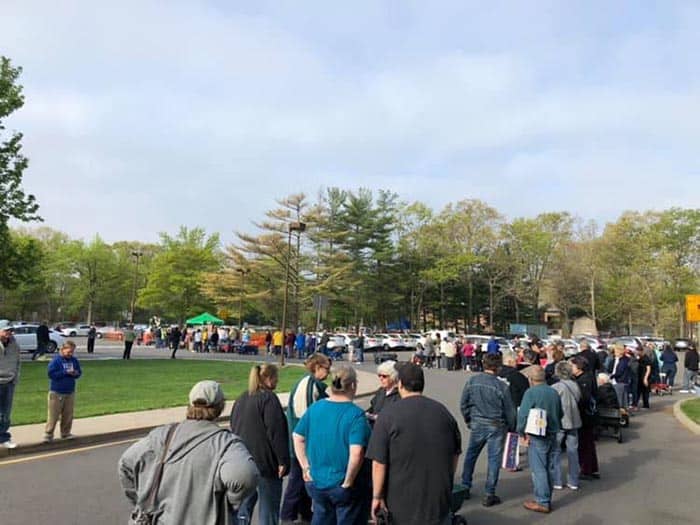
x: 15, y: 203
x: 176, y: 274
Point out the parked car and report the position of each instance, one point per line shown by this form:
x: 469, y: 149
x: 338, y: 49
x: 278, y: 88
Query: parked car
x: 682, y: 344
x: 410, y: 341
x: 392, y: 342
x: 336, y: 342
x: 102, y: 331
x: 76, y: 330
x: 373, y: 342
x: 25, y: 335
x: 629, y: 341
x: 594, y: 342
x: 658, y: 342
x: 571, y: 347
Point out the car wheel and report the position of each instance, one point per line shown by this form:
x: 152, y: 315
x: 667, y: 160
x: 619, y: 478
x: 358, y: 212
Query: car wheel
x: 51, y: 347
x: 73, y: 334
x: 386, y: 348
x: 99, y: 335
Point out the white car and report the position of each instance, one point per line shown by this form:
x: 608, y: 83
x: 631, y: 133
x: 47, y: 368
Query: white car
x: 25, y: 335
x: 392, y: 341
x: 411, y: 341
x: 373, y: 342
x: 76, y: 330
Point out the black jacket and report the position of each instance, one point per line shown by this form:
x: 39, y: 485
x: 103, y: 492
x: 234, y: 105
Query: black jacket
x: 382, y: 400
x: 260, y: 422
x: 517, y: 383
x: 607, y: 397
x: 589, y: 389
x: 42, y: 334
x: 691, y: 360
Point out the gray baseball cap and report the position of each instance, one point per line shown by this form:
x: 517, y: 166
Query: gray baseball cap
x: 207, y: 393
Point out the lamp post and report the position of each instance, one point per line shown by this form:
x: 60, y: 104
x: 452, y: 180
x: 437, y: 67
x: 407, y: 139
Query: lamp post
x: 137, y: 254
x: 243, y: 272
x: 293, y: 227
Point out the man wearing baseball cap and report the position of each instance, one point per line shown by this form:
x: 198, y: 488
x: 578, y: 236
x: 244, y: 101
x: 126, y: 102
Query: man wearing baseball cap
x: 9, y: 375
x: 206, y: 470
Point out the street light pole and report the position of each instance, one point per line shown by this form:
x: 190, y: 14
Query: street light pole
x: 243, y: 272
x: 137, y: 254
x: 293, y: 227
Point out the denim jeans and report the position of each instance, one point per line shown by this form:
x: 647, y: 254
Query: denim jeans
x: 689, y: 379
x: 270, y: 495
x: 335, y: 506
x: 492, y: 435
x: 360, y: 355
x: 570, y: 437
x: 6, y: 393
x: 670, y: 371
x: 540, y: 455
x: 297, y: 502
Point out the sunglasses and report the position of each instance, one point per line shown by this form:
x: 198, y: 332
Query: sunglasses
x: 382, y: 376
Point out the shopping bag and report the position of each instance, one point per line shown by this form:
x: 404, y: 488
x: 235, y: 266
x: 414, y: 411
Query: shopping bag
x: 511, y: 452
x: 536, y: 422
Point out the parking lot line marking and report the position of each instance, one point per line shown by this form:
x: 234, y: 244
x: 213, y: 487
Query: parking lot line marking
x: 64, y: 452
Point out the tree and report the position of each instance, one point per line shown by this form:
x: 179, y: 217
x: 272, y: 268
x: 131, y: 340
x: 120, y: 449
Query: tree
x: 15, y: 204
x: 174, y: 282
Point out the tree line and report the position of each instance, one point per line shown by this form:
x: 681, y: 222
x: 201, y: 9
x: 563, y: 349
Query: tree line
x: 367, y: 259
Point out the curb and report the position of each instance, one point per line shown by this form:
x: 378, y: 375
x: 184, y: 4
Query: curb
x: 104, y: 437
x: 685, y: 420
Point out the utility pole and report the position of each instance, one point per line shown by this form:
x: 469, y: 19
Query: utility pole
x: 137, y: 254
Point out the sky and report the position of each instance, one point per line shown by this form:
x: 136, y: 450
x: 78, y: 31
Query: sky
x: 143, y: 115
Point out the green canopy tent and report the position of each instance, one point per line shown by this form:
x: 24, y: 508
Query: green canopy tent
x: 205, y: 318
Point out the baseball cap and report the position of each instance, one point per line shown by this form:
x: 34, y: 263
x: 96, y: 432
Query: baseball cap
x: 207, y: 393
x: 5, y: 324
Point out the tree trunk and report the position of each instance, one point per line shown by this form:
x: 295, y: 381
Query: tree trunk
x: 442, y: 305
x: 470, y: 310
x: 491, y: 304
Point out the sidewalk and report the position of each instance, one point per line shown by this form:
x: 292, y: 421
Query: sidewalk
x: 101, y: 429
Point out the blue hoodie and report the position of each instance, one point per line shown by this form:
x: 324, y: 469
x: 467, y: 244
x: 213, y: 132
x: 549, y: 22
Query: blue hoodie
x: 61, y: 381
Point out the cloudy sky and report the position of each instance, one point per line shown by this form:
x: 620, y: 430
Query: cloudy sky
x: 144, y: 115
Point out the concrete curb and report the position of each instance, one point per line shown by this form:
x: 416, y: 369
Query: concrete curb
x: 685, y: 420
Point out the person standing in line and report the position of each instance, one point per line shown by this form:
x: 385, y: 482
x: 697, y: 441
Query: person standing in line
x: 588, y: 384
x: 42, y: 340
x: 690, y: 365
x: 388, y: 392
x: 268, y: 342
x: 492, y: 347
x: 517, y: 383
x: 300, y: 344
x: 570, y: 395
x: 64, y: 369
x: 330, y: 442
x: 308, y: 390
x: 646, y: 367
x: 207, y: 471
x: 175, y: 336
x: 360, y: 347
x: 591, y: 357
x: 258, y: 419
x: 129, y: 338
x: 668, y: 365
x: 488, y: 410
x: 541, y: 449
x: 91, y: 336
x: 277, y: 342
x: 9, y: 377
x: 198, y: 340
x: 414, y: 487
x: 450, y: 354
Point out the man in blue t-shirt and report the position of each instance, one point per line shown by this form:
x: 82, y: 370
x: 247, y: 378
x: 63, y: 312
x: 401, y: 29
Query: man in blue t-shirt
x: 330, y: 442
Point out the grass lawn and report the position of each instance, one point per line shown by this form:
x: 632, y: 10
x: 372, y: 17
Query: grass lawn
x: 109, y: 387
x: 692, y: 409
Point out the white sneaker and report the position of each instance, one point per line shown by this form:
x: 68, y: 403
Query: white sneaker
x: 9, y: 444
x: 558, y: 487
x: 684, y: 391
x: 572, y: 487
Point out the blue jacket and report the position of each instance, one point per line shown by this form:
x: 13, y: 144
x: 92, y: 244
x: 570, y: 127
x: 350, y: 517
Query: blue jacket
x: 61, y: 381
x: 493, y: 347
x: 486, y: 399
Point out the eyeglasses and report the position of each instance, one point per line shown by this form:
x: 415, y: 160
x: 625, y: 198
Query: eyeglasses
x: 382, y: 376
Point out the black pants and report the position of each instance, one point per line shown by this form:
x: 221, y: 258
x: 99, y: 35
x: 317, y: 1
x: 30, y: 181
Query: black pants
x: 91, y: 345
x: 644, y: 394
x: 296, y: 502
x: 175, y: 347
x: 127, y: 349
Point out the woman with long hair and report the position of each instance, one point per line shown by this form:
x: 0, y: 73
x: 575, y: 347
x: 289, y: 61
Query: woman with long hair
x: 258, y: 419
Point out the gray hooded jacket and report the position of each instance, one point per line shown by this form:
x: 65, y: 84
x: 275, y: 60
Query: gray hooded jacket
x: 9, y: 362
x: 208, y: 470
x: 570, y: 395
